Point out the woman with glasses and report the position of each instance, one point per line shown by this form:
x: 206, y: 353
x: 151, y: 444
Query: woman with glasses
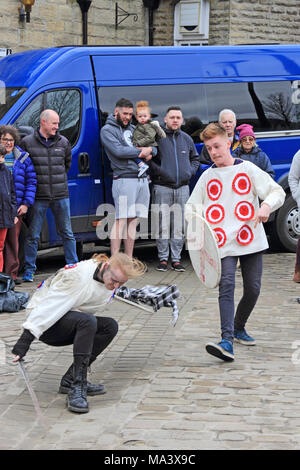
x: 249, y: 150
x: 24, y: 177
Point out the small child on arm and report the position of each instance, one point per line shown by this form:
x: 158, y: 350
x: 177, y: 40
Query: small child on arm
x: 146, y: 133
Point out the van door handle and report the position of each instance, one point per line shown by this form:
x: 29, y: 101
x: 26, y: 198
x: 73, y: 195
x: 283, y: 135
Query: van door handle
x: 83, y: 162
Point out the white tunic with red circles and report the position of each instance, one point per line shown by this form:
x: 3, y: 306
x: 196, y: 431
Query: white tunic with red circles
x: 228, y: 198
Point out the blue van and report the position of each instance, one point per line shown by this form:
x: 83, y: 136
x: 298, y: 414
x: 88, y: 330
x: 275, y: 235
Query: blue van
x: 260, y: 83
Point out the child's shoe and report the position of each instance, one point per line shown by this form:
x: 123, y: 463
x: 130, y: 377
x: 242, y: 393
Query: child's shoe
x: 143, y: 167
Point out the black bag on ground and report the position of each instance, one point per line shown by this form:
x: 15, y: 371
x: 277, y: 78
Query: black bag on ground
x: 11, y: 301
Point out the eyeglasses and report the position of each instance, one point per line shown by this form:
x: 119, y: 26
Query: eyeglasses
x: 247, y: 139
x: 7, y: 140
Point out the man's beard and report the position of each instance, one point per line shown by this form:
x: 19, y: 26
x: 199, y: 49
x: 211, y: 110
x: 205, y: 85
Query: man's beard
x: 120, y: 122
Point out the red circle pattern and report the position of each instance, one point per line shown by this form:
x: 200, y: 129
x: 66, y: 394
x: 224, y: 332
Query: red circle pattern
x: 221, y: 236
x: 214, y: 189
x: 244, y: 210
x: 241, y: 184
x: 215, y: 214
x: 244, y: 235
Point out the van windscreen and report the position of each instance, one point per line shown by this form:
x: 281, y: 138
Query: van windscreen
x: 8, y: 97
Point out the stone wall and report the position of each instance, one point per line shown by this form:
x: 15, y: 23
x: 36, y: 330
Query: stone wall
x: 254, y: 21
x: 59, y: 22
x: 219, y: 22
x: 163, y: 22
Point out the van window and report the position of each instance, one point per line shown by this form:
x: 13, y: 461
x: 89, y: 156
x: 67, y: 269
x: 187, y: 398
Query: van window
x: 66, y: 102
x: 30, y: 116
x: 8, y: 97
x: 268, y: 106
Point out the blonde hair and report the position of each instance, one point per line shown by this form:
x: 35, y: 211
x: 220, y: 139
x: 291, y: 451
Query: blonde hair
x: 131, y: 267
x: 212, y: 130
x: 142, y: 105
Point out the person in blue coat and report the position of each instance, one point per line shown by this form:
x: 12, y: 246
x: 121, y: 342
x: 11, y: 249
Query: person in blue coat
x: 25, y: 182
x: 249, y: 150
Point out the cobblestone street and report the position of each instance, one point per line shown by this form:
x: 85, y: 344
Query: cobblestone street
x: 163, y: 390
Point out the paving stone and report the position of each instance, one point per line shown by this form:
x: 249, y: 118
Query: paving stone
x: 163, y: 390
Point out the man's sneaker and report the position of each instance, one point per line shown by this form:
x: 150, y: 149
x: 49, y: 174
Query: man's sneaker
x: 178, y: 267
x: 28, y: 277
x: 222, y: 350
x: 143, y: 167
x: 242, y: 337
x: 163, y: 266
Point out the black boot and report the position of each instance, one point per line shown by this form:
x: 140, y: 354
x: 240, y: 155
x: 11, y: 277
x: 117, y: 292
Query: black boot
x: 76, y: 399
x: 67, y: 380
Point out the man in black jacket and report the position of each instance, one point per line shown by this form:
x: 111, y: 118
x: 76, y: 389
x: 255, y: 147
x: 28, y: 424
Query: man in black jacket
x: 171, y: 171
x: 51, y: 155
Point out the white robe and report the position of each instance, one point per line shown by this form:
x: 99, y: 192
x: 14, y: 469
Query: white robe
x: 72, y: 288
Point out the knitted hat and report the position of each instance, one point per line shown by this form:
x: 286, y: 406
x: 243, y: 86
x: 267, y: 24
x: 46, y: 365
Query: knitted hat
x: 245, y: 130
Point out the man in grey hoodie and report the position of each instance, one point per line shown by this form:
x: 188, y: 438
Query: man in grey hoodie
x: 131, y: 194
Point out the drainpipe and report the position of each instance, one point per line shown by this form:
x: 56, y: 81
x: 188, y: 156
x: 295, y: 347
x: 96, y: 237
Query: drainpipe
x: 151, y: 5
x: 84, y: 6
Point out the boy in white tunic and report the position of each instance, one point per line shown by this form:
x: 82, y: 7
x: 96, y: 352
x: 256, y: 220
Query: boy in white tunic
x: 227, y: 195
x: 61, y: 313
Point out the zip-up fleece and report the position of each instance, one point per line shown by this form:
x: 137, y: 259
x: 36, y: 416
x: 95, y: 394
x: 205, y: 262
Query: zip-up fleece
x: 177, y: 160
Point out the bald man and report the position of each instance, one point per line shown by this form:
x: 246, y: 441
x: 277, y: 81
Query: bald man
x: 51, y: 155
x: 227, y: 119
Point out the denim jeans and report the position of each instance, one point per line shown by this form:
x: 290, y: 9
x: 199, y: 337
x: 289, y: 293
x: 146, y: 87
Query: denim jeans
x: 251, y: 270
x: 168, y: 212
x: 61, y: 212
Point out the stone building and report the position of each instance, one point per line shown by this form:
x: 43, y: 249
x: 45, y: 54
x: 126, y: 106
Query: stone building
x: 132, y: 22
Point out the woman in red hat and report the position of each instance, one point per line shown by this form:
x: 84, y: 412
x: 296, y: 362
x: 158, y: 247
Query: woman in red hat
x: 249, y: 150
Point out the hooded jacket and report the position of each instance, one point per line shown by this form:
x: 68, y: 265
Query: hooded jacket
x: 118, y: 145
x: 177, y: 160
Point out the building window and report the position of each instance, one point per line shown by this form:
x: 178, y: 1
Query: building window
x: 189, y: 19
x: 191, y: 22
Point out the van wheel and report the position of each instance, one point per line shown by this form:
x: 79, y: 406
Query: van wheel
x: 285, y: 229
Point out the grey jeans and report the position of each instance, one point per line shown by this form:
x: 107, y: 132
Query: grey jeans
x: 168, y: 219
x: 251, y: 270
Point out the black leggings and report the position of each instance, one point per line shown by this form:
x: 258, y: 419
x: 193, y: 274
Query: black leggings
x: 89, y: 335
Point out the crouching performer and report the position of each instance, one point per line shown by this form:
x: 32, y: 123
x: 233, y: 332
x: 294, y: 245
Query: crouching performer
x: 60, y: 315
